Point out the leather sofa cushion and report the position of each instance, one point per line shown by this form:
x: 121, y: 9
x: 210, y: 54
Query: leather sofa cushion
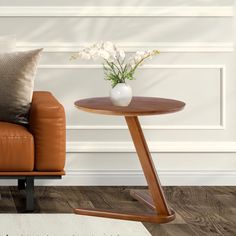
x: 47, y: 124
x: 16, y: 148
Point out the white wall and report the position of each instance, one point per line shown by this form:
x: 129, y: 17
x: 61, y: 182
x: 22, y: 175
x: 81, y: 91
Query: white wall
x: 194, y: 147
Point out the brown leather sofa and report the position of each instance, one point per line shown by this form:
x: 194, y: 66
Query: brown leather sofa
x: 36, y: 150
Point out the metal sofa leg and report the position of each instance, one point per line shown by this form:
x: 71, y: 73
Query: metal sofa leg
x: 29, y: 188
x: 21, y: 184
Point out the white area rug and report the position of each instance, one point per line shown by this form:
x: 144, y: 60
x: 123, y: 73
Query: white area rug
x: 67, y: 225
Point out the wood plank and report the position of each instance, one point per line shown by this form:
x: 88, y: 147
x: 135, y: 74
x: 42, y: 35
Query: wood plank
x: 201, y: 211
x: 6, y: 201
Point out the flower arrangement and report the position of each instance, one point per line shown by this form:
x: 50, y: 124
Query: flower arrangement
x: 117, y: 67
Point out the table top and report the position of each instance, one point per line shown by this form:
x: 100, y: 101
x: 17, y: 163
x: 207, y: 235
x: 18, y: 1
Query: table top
x: 139, y: 106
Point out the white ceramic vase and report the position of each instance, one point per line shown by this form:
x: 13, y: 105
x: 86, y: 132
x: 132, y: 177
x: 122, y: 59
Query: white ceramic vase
x: 121, y: 95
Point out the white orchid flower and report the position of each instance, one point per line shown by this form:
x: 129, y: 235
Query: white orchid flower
x: 99, y: 45
x: 109, y: 46
x: 140, y: 53
x: 138, y: 58
x: 104, y: 54
x: 117, y: 66
x: 93, y: 53
x: 85, y: 55
x: 121, y: 54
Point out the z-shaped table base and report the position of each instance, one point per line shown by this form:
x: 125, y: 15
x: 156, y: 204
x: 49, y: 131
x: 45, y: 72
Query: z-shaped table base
x: 156, y: 200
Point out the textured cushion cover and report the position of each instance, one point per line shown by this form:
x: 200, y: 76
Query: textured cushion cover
x: 16, y: 148
x: 17, y: 72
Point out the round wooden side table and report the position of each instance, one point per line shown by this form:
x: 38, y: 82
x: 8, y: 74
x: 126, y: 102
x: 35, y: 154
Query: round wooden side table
x: 139, y: 106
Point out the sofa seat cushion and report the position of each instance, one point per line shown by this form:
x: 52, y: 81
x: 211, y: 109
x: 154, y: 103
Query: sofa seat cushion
x: 16, y: 148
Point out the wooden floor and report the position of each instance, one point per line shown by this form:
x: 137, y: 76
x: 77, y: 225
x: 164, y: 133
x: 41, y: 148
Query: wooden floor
x: 200, y: 210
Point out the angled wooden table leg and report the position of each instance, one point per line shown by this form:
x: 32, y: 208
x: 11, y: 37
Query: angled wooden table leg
x: 157, y: 201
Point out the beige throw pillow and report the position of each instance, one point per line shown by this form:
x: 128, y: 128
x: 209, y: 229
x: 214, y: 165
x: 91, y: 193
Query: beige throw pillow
x: 17, y: 72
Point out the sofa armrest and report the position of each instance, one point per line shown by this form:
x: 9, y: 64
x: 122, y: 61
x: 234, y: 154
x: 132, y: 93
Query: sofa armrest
x: 47, y: 124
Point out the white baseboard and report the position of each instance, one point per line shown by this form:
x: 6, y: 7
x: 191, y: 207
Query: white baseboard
x: 136, y: 178
x: 129, y: 177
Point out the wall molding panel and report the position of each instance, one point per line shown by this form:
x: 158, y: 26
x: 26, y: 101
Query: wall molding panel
x: 197, y: 147
x: 221, y: 126
x: 146, y: 127
x: 164, y: 47
x: 133, y: 177
x: 125, y: 11
x: 159, y: 147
